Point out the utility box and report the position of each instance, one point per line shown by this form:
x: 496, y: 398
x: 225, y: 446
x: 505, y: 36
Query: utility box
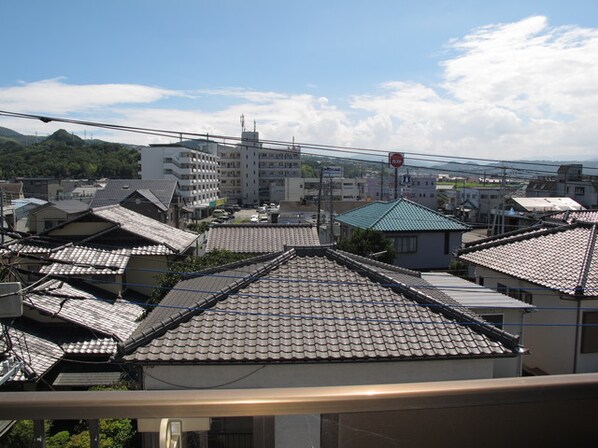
x: 11, y: 300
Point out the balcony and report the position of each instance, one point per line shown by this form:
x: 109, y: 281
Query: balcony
x: 557, y: 410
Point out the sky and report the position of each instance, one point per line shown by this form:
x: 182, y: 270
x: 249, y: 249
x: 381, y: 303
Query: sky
x: 506, y: 80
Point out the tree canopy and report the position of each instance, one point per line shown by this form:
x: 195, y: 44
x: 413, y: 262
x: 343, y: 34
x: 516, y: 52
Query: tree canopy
x: 367, y: 243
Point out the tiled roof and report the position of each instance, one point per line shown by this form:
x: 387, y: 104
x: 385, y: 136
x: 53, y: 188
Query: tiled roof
x: 116, y: 190
x: 401, y: 215
x: 248, y: 238
x: 148, y: 228
x: 572, y: 216
x: 38, y: 354
x: 89, y: 346
x: 115, y: 318
x: 81, y: 260
x: 310, y: 305
x: 563, y: 258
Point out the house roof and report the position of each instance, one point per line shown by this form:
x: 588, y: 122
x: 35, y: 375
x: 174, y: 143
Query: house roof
x: 38, y: 353
x: 562, y: 258
x: 116, y: 318
x: 471, y: 295
x: 176, y: 239
x: 251, y: 238
x: 546, y: 204
x: 116, y: 190
x: 401, y: 215
x: 305, y: 305
x: 69, y: 206
x: 82, y: 260
x: 571, y: 216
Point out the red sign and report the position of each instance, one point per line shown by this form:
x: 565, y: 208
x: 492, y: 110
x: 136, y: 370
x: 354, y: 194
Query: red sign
x: 396, y: 159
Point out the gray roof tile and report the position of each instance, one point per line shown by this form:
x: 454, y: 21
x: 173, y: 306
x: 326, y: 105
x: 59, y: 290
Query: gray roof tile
x: 251, y: 238
x: 308, y: 305
x: 562, y: 258
x: 116, y: 190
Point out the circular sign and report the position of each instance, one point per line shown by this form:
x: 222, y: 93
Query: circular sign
x: 396, y: 159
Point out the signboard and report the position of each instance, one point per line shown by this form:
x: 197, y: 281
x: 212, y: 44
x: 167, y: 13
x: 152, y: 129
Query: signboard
x: 332, y: 171
x: 396, y: 159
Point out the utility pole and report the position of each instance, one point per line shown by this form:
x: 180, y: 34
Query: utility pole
x: 319, y: 201
x: 381, y: 181
x: 331, y: 221
x: 2, y: 215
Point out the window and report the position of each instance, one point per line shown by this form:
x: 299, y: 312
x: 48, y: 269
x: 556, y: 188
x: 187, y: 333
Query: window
x: 502, y: 288
x: 580, y: 191
x: 406, y: 244
x: 589, y: 332
x: 447, y: 240
x: 494, y: 319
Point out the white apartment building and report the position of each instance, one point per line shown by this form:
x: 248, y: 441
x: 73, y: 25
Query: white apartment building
x: 250, y: 173
x: 308, y: 189
x: 194, y: 164
x: 419, y: 188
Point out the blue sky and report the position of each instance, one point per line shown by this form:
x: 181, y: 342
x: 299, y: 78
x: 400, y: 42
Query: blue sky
x: 509, y: 79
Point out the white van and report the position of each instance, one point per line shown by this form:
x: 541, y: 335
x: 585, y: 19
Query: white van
x: 219, y: 213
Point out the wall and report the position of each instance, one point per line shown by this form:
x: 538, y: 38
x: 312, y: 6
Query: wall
x: 430, y: 250
x: 549, y: 333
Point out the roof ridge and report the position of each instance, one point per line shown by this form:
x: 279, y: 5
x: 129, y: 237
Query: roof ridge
x: 392, y: 205
x: 390, y: 267
x: 580, y: 289
x: 175, y: 320
x: 474, y: 321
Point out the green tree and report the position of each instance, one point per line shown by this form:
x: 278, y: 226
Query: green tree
x: 368, y: 242
x: 179, y: 269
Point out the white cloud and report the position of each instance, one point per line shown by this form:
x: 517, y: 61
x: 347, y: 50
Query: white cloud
x: 508, y: 91
x: 58, y: 97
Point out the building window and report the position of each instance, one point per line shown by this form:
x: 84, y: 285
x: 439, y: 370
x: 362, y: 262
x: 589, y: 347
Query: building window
x: 589, y: 332
x: 406, y: 244
x: 494, y: 319
x: 447, y: 241
x: 502, y: 288
x: 580, y: 191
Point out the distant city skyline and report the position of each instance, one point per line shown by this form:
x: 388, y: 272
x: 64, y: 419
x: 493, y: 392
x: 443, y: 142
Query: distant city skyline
x: 507, y: 80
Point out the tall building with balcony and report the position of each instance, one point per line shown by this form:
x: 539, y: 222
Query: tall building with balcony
x: 250, y: 173
x: 193, y: 164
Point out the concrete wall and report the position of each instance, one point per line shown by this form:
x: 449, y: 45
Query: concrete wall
x: 430, y: 250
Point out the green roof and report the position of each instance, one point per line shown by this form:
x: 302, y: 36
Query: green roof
x: 401, y: 215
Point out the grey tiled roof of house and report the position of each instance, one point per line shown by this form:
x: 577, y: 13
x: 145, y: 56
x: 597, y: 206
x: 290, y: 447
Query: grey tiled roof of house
x: 116, y: 190
x: 81, y: 260
x: 148, y: 228
x: 562, y: 258
x: 311, y: 304
x: 116, y: 318
x: 38, y: 354
x: 251, y: 238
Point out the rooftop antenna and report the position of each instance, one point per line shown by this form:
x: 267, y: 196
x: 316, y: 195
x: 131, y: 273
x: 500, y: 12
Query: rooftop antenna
x: 254, y: 126
x: 242, y: 123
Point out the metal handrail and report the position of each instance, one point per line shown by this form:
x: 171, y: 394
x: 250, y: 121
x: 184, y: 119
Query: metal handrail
x: 300, y: 400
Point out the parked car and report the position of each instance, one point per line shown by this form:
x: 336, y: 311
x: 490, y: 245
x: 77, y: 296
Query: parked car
x: 220, y: 213
x: 254, y: 218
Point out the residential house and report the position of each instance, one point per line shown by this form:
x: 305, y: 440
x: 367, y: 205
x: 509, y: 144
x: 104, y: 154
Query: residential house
x: 310, y: 317
x: 423, y: 238
x: 66, y: 336
x: 523, y: 212
x: 45, y: 188
x: 260, y: 239
x: 158, y: 199
x: 10, y: 191
x: 555, y: 269
x: 54, y: 213
x: 151, y: 245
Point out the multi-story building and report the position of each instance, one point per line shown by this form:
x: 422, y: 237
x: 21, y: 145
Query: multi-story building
x: 569, y: 182
x: 307, y: 189
x: 193, y: 164
x: 250, y: 173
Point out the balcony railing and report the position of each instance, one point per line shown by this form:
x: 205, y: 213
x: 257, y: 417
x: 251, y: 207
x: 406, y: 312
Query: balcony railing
x: 559, y: 410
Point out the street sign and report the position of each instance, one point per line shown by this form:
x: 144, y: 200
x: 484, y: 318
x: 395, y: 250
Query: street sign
x: 396, y: 159
x: 332, y: 171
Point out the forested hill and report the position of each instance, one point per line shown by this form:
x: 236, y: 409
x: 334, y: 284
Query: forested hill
x: 63, y: 155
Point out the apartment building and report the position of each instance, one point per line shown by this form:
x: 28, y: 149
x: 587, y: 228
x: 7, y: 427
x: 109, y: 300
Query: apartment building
x: 194, y: 164
x: 308, y: 189
x: 251, y: 173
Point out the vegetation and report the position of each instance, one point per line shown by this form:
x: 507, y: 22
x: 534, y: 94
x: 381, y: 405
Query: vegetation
x: 63, y: 155
x: 367, y: 243
x: 178, y: 270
